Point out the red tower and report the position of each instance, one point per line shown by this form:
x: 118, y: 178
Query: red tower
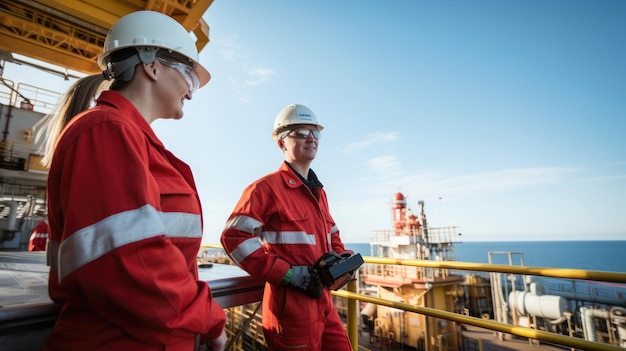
x: 398, y: 211
x: 404, y: 221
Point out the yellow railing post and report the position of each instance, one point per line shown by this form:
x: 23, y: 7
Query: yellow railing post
x: 353, y: 328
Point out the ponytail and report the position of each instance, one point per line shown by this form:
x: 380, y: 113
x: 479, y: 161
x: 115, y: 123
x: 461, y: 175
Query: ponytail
x: 79, y: 97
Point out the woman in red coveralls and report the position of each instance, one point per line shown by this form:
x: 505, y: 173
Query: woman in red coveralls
x: 278, y: 230
x: 124, y: 213
x: 39, y: 237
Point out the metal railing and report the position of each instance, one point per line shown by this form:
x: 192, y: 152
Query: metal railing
x: 615, y: 277
x: 482, y: 323
x: 243, y: 290
x: 436, y: 235
x: 27, y: 96
x: 525, y: 332
x: 530, y: 333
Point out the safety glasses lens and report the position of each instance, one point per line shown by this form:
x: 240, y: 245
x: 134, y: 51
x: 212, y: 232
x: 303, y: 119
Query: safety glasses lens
x: 304, y: 133
x: 192, y: 78
x: 186, y: 71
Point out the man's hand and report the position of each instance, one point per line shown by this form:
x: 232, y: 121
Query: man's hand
x: 306, y: 279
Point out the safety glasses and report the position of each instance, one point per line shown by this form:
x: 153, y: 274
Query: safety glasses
x: 185, y: 70
x: 304, y: 133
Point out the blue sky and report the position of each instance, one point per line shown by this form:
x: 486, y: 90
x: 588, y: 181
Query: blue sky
x: 511, y: 112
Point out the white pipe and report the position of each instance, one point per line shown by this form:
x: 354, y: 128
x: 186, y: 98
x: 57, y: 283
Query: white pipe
x: 587, y: 315
x: 558, y: 321
x: 544, y: 306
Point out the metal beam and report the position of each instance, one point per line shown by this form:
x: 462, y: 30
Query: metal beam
x: 71, y: 33
x: 34, y: 33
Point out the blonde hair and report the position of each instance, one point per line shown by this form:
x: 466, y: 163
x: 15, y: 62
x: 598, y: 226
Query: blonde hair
x: 79, y: 97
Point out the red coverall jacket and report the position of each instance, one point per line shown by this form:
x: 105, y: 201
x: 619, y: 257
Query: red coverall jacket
x: 39, y: 238
x: 279, y: 223
x: 125, y: 230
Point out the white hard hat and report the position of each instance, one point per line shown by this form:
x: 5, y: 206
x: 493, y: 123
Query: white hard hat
x: 294, y: 114
x: 151, y: 29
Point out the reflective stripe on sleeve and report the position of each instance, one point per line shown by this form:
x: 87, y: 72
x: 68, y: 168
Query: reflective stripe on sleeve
x: 244, y: 249
x: 245, y: 224
x: 252, y: 226
x: 120, y: 229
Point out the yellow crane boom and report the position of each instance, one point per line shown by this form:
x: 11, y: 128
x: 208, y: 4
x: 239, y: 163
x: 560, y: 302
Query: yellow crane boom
x: 70, y: 33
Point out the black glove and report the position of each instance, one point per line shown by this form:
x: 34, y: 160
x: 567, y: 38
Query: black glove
x: 306, y: 279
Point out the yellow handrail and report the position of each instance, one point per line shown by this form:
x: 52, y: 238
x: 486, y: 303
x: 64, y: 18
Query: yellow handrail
x: 615, y: 277
x: 211, y: 246
x: 506, y: 328
x: 564, y: 340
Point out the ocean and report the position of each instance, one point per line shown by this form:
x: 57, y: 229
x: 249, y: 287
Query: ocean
x: 589, y: 255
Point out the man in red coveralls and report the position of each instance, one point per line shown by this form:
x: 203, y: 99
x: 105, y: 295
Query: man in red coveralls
x: 39, y: 237
x: 278, y: 230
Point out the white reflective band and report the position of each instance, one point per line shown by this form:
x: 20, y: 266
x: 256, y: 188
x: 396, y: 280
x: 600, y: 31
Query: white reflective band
x: 244, y: 249
x: 288, y: 238
x: 245, y: 224
x: 40, y: 235
x: 334, y: 229
x: 121, y: 229
x: 252, y: 226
